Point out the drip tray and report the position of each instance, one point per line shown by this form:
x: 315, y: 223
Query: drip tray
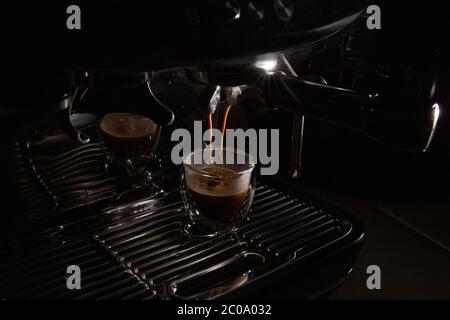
x: 220, y: 278
x: 290, y: 246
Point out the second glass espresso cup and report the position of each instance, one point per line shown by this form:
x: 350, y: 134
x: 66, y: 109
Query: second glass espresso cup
x: 128, y: 141
x: 217, y: 194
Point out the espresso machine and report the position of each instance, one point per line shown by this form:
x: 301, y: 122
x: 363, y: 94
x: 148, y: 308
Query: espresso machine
x: 165, y: 61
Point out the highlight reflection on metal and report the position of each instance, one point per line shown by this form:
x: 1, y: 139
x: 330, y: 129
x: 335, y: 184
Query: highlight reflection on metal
x: 436, y: 112
x: 284, y: 9
x: 267, y: 65
x: 232, y: 272
x: 167, y: 109
x: 234, y: 8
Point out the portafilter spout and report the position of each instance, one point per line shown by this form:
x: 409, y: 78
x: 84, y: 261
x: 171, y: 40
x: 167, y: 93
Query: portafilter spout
x: 407, y: 124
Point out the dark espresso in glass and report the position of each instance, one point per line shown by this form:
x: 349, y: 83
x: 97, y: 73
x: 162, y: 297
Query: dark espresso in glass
x: 219, y: 196
x: 128, y: 136
x: 216, y: 200
x: 128, y: 141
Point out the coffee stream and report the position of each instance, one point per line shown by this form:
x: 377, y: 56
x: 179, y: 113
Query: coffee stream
x: 223, y: 128
x: 224, y: 125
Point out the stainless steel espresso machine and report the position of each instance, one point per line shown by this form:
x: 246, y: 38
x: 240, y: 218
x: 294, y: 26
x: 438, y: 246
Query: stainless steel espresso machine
x: 161, y: 59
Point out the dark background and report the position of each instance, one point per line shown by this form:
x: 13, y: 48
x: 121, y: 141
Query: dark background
x: 402, y: 198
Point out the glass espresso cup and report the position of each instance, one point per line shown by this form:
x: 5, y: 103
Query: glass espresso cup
x: 217, y: 194
x: 128, y: 142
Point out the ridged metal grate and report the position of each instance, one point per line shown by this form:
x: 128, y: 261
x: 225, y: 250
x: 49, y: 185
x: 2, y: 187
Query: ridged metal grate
x: 140, y: 250
x: 290, y: 227
x: 41, y: 275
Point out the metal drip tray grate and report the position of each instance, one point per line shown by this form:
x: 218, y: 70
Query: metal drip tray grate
x: 280, y: 228
x: 41, y: 275
x: 144, y: 253
x: 290, y: 227
x: 140, y: 250
x: 76, y: 177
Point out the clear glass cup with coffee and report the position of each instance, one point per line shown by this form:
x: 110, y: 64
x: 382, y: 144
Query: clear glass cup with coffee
x: 128, y: 142
x: 217, y: 187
